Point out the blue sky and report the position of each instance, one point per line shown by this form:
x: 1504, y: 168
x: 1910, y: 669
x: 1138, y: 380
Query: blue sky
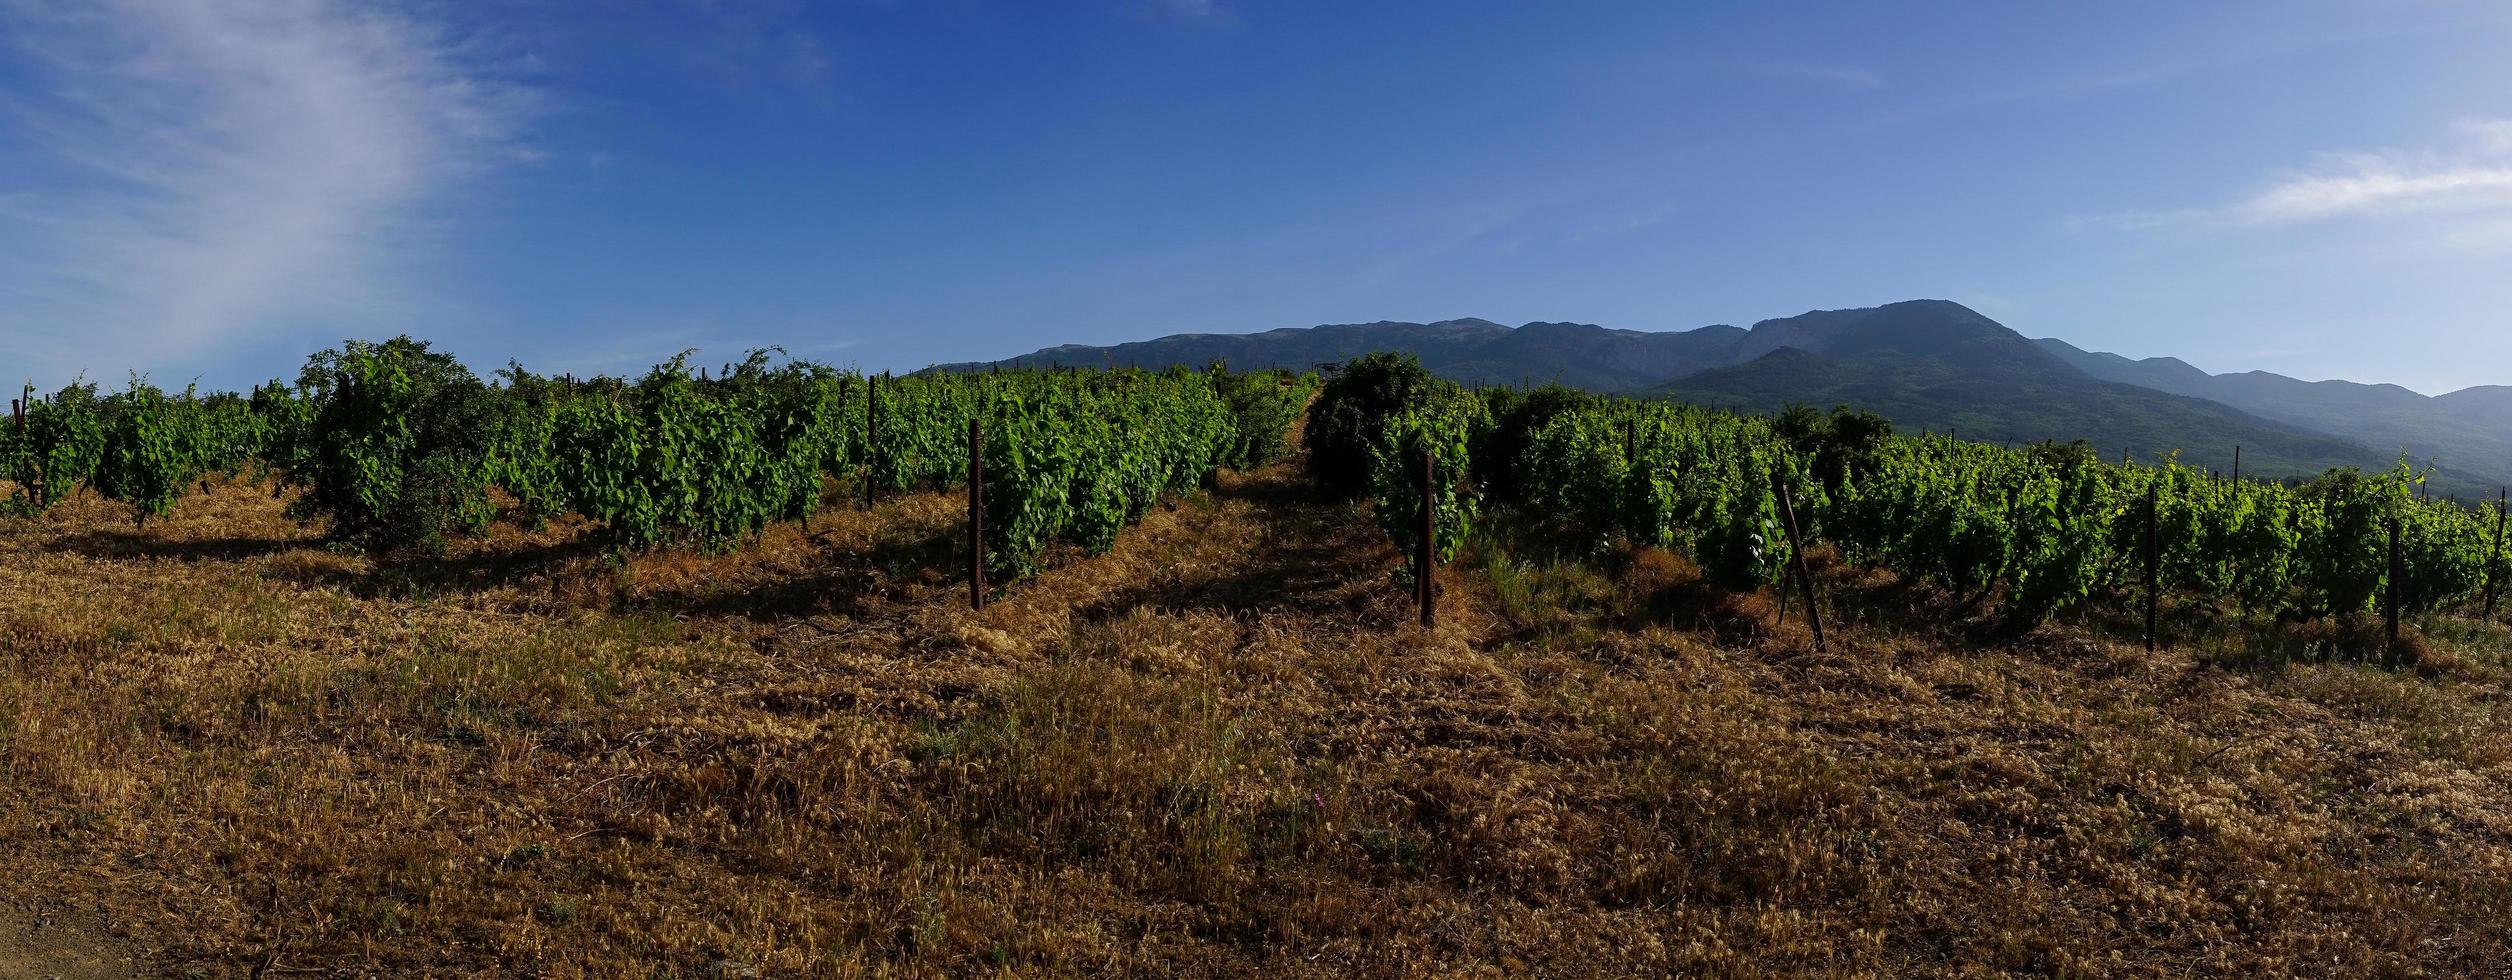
x: 211, y: 190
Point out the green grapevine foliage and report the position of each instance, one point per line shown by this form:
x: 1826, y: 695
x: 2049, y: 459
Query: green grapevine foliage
x: 2042, y: 529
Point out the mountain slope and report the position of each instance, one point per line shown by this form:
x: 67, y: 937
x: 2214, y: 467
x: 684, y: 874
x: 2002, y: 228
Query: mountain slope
x: 2467, y: 430
x: 1472, y: 351
x: 1939, y: 366
x: 1926, y: 364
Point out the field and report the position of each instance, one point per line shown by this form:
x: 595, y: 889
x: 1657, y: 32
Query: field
x: 1222, y: 748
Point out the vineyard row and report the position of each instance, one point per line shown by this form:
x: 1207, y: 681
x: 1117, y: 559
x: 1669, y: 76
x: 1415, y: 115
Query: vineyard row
x: 2038, y: 530
x: 397, y: 447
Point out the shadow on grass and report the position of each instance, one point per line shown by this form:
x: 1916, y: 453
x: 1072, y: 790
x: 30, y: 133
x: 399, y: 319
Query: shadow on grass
x: 124, y: 545
x: 843, y: 581
x: 584, y: 571
x: 1315, y: 551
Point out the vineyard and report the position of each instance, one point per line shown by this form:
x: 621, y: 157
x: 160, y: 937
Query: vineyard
x: 2039, y: 530
x: 396, y: 447
x: 392, y: 669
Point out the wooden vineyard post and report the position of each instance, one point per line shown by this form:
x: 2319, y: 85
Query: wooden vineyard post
x: 1796, y: 556
x: 2503, y: 506
x: 2237, y: 464
x: 976, y: 514
x: 1426, y: 549
x: 2154, y: 563
x: 26, y: 404
x: 872, y: 431
x: 1630, y: 443
x: 2390, y: 600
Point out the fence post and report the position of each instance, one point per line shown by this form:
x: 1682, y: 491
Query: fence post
x: 2503, y: 506
x: 1796, y: 553
x: 976, y: 514
x: 2237, y: 464
x: 1425, y: 551
x: 2154, y: 566
x: 2390, y: 599
x: 872, y: 431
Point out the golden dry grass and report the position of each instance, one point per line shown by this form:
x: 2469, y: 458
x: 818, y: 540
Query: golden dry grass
x: 1221, y: 749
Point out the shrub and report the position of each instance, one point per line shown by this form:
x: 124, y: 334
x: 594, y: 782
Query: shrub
x: 1263, y: 405
x: 398, y: 440
x: 1516, y: 415
x: 1349, y: 420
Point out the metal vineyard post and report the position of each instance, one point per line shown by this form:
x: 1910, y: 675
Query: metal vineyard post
x: 2503, y: 506
x: 2390, y: 599
x: 1424, y: 550
x: 872, y: 432
x: 2154, y: 557
x: 976, y: 514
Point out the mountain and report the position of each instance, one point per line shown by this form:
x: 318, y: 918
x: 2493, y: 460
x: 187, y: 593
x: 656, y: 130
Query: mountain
x: 1926, y: 364
x: 2488, y: 405
x: 1472, y: 351
x: 2467, y: 430
x: 1936, y: 365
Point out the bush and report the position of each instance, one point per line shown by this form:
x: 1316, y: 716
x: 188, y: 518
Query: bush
x: 1516, y: 415
x: 397, y: 444
x: 1349, y: 420
x: 1263, y: 404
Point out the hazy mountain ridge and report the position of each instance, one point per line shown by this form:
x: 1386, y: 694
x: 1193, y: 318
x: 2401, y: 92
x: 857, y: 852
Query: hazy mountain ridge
x: 1938, y: 365
x: 1927, y: 364
x: 1473, y: 351
x: 2468, y: 430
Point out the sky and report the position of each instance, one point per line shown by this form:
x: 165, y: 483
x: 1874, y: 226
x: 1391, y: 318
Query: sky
x: 209, y: 190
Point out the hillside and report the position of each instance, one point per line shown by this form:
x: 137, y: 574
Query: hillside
x: 1927, y: 364
x: 1939, y: 366
x: 1470, y: 351
x: 2468, y: 431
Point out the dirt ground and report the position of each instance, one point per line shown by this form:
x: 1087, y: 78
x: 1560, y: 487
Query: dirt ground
x: 1222, y: 749
x: 34, y: 946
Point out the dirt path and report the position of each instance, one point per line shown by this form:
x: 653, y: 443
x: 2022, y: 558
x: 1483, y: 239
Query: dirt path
x: 33, y: 947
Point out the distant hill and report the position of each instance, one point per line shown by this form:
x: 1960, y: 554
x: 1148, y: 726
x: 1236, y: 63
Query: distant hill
x: 1926, y: 364
x: 1938, y: 365
x: 2467, y: 430
x: 1472, y: 351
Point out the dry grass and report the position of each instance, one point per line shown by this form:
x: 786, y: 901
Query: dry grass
x: 1219, y: 750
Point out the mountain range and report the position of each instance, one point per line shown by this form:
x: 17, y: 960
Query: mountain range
x: 1927, y: 365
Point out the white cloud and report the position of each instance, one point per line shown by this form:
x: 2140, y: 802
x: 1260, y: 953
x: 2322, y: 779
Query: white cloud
x: 2376, y: 187
x: 2470, y: 173
x: 204, y: 172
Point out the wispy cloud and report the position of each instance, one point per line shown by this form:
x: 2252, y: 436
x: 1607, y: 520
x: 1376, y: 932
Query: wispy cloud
x: 1623, y: 221
x: 2470, y: 172
x: 208, y: 172
x: 1850, y: 78
x: 1191, y: 9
